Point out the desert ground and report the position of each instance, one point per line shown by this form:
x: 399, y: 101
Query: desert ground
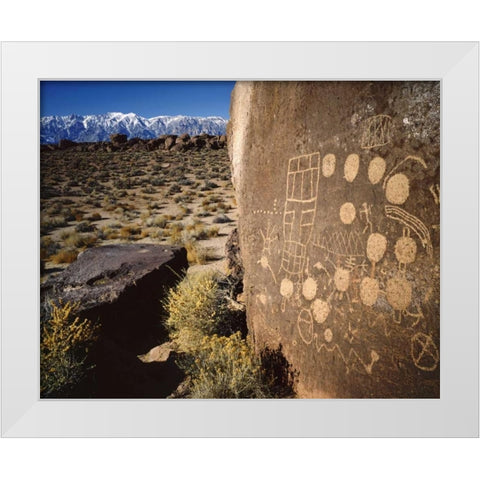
x: 161, y: 197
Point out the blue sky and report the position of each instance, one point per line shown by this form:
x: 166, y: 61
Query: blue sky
x: 147, y: 99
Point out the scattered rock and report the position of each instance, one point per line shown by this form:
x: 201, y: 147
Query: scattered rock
x: 170, y: 141
x: 118, y: 138
x: 160, y: 353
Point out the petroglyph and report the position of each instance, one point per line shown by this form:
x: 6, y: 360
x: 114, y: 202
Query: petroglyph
x: 352, y: 358
x: 274, y: 211
x: 405, y: 250
x: 409, y: 158
x: 309, y: 288
x: 424, y: 352
x: 305, y: 326
x: 320, y: 310
x: 338, y: 243
x: 328, y: 335
x: 300, y: 208
x: 267, y: 250
x: 347, y: 213
x: 349, y: 258
x: 397, y: 189
x: 376, y: 247
x: 328, y: 165
x: 413, y: 223
x: 286, y: 288
x: 351, y: 166
x: 399, y: 292
x: 369, y: 290
x: 366, y: 211
x: 435, y: 190
x: 377, y: 132
x: 376, y: 170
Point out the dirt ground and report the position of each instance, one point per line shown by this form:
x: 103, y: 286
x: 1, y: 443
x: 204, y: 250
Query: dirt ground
x: 96, y: 198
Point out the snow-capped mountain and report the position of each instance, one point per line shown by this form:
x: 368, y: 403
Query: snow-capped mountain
x: 97, y: 128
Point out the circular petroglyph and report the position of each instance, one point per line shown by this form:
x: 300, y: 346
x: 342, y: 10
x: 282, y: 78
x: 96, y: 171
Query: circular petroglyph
x: 286, y: 288
x: 369, y: 291
x: 376, y: 170
x: 328, y: 165
x: 305, y: 325
x: 397, y: 189
x: 347, y: 213
x: 320, y: 309
x: 405, y: 250
x: 376, y: 247
x: 399, y: 292
x: 309, y: 288
x: 341, y: 279
x: 425, y: 353
x: 328, y: 335
x: 351, y: 167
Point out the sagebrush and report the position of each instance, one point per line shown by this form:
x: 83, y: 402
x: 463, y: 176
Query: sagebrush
x: 65, y: 340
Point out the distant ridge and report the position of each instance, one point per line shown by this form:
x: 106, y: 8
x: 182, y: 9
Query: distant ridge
x: 98, y: 128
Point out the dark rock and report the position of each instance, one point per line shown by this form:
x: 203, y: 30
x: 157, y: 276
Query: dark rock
x: 337, y: 188
x: 198, y: 141
x: 222, y: 218
x: 121, y: 287
x: 155, y: 144
x: 184, y: 137
x: 118, y: 138
x: 170, y: 141
x: 65, y: 143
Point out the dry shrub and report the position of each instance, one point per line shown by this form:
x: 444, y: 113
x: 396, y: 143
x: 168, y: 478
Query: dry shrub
x: 64, y: 256
x: 65, y: 340
x: 226, y: 367
x: 196, y: 307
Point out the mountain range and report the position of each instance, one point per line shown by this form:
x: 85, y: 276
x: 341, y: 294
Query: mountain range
x: 98, y: 128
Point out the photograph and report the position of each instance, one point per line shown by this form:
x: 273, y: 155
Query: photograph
x: 239, y: 239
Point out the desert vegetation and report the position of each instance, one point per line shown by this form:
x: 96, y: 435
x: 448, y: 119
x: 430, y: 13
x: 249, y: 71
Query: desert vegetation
x: 64, y: 344
x: 207, y: 327
x: 97, y: 197
x: 93, y: 198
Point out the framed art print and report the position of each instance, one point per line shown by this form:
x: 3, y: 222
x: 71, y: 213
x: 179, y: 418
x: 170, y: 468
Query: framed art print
x: 265, y: 246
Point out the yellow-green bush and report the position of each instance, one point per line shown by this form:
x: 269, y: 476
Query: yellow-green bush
x: 195, y: 308
x: 226, y: 367
x: 65, y: 340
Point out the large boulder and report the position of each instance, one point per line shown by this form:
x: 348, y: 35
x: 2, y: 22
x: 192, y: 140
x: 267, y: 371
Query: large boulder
x: 118, y: 138
x: 122, y: 287
x: 170, y: 141
x: 338, y: 192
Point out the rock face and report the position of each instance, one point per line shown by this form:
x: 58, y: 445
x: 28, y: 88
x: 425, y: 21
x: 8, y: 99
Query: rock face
x: 339, y: 201
x: 121, y: 286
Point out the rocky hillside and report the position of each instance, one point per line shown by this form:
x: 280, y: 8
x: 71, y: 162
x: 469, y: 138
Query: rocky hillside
x: 119, y: 142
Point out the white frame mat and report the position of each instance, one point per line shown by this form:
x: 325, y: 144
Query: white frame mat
x: 455, y: 414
